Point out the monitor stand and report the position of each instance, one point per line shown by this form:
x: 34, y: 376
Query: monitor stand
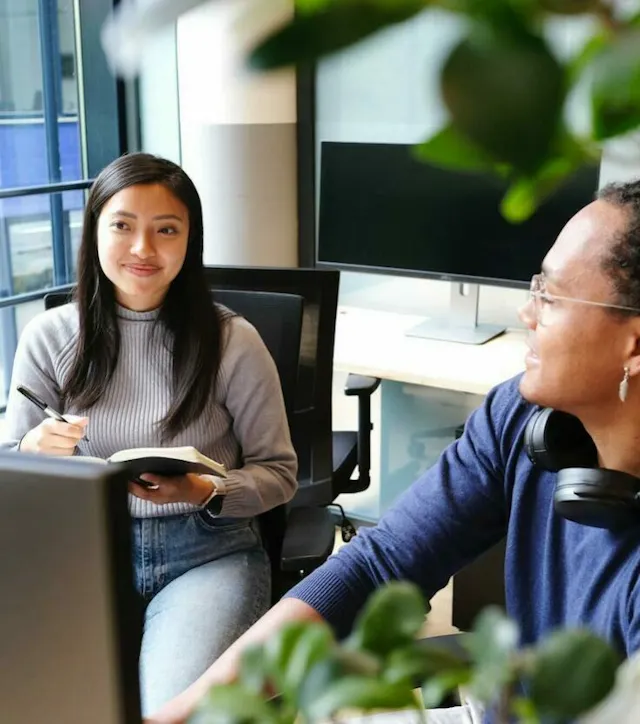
x: 462, y: 323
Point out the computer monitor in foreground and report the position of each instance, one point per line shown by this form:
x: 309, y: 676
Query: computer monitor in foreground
x: 69, y: 636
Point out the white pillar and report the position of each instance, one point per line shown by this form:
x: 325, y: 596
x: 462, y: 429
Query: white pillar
x: 238, y: 135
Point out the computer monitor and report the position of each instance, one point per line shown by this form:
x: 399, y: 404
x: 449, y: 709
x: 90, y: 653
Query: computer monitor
x: 383, y: 210
x: 69, y: 635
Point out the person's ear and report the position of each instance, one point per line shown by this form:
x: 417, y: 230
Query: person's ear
x: 633, y: 361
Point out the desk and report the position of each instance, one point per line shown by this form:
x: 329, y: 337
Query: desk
x: 374, y: 343
x: 428, y: 389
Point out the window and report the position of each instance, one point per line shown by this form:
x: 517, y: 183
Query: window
x: 60, y: 123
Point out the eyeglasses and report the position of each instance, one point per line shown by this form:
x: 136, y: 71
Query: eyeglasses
x: 543, y: 301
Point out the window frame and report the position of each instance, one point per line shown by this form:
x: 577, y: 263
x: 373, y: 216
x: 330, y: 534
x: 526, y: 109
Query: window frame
x: 105, y: 109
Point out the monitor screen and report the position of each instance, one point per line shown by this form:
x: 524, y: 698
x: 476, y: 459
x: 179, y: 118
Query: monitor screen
x: 381, y: 209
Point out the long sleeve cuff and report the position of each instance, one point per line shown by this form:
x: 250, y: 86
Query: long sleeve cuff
x: 328, y: 593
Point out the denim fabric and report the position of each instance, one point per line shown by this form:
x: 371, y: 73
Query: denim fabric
x: 204, y: 582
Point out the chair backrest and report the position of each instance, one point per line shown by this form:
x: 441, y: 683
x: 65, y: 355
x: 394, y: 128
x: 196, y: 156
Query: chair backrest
x: 57, y: 299
x: 311, y: 423
x: 278, y: 319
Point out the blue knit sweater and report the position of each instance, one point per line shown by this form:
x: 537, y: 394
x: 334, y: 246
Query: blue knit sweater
x: 558, y: 573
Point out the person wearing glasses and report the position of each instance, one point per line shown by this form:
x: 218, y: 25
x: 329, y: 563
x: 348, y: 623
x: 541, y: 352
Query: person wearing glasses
x: 583, y: 357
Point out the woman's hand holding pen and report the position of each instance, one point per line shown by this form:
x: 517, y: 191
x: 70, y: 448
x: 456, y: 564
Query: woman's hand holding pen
x: 54, y: 437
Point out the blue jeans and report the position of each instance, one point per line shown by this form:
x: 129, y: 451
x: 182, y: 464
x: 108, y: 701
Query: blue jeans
x: 203, y: 582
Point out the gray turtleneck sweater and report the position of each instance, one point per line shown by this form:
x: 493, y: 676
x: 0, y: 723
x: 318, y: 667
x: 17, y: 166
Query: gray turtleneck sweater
x: 244, y: 426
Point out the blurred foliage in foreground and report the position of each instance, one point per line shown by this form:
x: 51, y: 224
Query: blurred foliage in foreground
x: 504, y: 86
x: 381, y: 665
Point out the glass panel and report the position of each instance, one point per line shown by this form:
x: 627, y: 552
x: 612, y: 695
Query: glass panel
x: 35, y: 252
x: 12, y: 321
x: 39, y: 128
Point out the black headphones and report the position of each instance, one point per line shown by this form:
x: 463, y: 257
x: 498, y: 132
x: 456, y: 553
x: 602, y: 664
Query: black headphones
x: 585, y: 493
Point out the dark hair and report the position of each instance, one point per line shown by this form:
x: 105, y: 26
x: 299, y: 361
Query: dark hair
x: 622, y: 262
x: 187, y: 318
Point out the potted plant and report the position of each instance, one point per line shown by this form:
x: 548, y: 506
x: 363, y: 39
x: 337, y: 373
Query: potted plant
x: 383, y: 666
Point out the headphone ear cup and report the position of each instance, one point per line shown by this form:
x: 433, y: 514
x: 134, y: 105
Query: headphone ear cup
x: 598, y: 497
x: 556, y: 440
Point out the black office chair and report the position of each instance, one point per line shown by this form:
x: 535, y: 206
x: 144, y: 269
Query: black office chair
x: 278, y: 319
x: 327, y: 458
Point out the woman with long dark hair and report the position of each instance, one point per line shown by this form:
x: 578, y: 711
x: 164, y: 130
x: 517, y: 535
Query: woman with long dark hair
x: 144, y: 358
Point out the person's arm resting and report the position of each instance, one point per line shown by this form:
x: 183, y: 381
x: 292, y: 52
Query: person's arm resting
x: 449, y: 516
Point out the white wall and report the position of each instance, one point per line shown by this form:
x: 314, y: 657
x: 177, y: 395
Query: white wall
x: 236, y: 131
x: 159, y: 99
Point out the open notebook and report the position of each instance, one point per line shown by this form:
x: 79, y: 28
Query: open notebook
x: 162, y: 461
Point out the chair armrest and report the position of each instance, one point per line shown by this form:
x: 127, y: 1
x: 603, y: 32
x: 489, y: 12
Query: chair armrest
x: 360, y: 385
x: 363, y: 387
x: 308, y: 540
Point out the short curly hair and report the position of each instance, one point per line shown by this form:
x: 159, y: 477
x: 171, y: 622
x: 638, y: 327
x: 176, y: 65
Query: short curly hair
x: 622, y: 263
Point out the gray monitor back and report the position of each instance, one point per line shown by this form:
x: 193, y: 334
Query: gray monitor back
x: 68, y: 639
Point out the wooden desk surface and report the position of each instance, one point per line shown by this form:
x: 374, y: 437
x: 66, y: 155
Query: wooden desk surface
x: 370, y: 342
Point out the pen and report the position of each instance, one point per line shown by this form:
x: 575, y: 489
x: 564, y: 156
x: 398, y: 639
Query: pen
x: 48, y: 411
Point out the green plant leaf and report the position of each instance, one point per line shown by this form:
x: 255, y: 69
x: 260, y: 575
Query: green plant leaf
x: 359, y: 662
x: 254, y: 669
x: 312, y: 35
x: 392, y: 617
x: 615, y: 91
x: 419, y: 662
x: 505, y: 91
x: 526, y: 193
x: 521, y: 201
x: 318, y: 680
x: 314, y: 645
x: 525, y: 710
x: 355, y: 692
x: 279, y: 646
x: 449, y: 148
x: 233, y: 704
x: 312, y: 6
x: 293, y: 651
x: 492, y: 644
x: 572, y: 671
x: 586, y: 55
x: 436, y: 688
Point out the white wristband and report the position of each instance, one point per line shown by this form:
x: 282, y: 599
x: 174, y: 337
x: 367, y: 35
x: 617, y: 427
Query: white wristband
x: 217, y: 488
